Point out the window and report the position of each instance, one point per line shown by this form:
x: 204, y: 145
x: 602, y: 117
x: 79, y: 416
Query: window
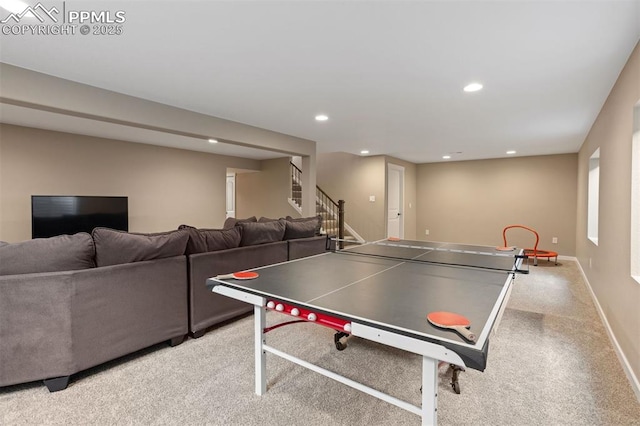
x: 593, y: 197
x: 635, y: 195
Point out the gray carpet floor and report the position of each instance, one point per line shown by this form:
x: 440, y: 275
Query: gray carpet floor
x: 550, y: 363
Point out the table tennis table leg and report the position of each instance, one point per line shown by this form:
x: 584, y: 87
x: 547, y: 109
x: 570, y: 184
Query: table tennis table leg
x: 429, y: 391
x: 260, y: 320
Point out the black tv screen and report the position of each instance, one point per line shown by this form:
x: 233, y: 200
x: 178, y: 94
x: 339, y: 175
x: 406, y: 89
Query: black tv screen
x: 53, y: 215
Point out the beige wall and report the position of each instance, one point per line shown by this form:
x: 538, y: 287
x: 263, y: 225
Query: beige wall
x: 354, y: 179
x: 473, y: 201
x: 467, y: 201
x: 265, y: 193
x: 166, y: 187
x: 607, y: 265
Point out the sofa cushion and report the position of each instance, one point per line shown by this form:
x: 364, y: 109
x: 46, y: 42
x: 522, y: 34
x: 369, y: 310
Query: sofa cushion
x: 222, y: 239
x: 61, y: 253
x: 267, y: 219
x: 196, y: 243
x: 299, y: 230
x: 205, y: 240
x: 262, y: 232
x: 230, y: 222
x: 316, y: 221
x: 116, y: 247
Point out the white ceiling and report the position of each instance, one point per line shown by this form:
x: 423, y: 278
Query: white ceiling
x: 389, y: 74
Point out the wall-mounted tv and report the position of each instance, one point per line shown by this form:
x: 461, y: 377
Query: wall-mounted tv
x: 53, y: 215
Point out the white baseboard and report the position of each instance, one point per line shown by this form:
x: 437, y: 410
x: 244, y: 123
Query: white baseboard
x: 633, y: 379
x: 353, y: 233
x: 294, y: 205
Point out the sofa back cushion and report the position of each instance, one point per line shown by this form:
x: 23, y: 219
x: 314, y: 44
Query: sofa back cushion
x: 268, y: 219
x: 302, y: 227
x: 230, y: 222
x: 116, y: 247
x: 61, y: 253
x: 262, y: 232
x: 205, y: 240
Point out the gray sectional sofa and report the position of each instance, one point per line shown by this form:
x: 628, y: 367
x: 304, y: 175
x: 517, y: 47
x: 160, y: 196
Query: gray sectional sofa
x: 72, y: 302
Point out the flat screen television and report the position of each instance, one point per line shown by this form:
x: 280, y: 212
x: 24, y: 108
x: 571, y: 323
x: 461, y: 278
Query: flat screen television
x: 53, y: 215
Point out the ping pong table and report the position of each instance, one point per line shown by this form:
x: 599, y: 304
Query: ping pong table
x: 383, y: 291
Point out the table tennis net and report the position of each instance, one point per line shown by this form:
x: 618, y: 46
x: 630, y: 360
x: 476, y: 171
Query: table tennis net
x: 455, y: 255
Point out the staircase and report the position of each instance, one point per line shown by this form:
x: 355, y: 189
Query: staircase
x: 332, y: 212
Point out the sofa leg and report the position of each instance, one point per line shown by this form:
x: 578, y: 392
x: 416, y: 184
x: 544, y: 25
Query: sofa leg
x: 176, y: 341
x: 198, y: 334
x: 57, y: 383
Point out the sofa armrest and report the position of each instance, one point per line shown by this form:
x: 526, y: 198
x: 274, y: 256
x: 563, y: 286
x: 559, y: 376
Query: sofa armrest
x: 35, y: 327
x: 57, y: 324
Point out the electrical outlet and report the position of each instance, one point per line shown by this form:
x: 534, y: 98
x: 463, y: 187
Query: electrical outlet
x: 426, y: 232
x: 554, y: 240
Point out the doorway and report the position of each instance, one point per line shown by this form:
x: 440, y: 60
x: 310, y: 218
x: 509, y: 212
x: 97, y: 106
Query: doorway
x: 395, y: 200
x: 231, y: 195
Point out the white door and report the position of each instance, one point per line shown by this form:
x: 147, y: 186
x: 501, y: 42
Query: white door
x: 395, y: 193
x: 231, y: 195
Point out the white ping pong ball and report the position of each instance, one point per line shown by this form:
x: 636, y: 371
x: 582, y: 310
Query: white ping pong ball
x: 279, y: 307
x: 295, y: 312
x: 347, y: 327
x: 271, y: 304
x: 312, y: 317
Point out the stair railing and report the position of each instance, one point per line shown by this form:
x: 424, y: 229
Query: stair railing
x: 324, y: 203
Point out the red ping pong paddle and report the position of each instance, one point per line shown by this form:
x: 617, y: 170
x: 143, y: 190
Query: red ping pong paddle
x: 244, y: 275
x: 452, y: 321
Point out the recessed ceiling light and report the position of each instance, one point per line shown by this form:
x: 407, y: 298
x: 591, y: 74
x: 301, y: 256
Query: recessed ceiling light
x: 364, y: 151
x: 213, y: 140
x: 511, y: 152
x: 322, y: 117
x: 472, y: 87
x: 446, y: 157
